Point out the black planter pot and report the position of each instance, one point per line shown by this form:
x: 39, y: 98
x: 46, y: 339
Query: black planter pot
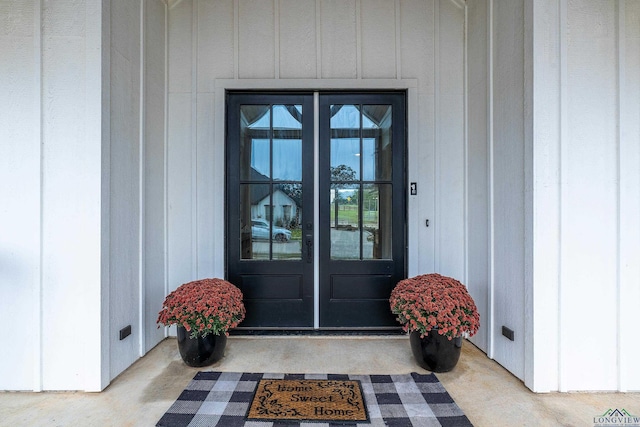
x: 435, y: 352
x: 198, y: 352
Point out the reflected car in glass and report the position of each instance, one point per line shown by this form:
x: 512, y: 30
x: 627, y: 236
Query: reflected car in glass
x: 260, y: 231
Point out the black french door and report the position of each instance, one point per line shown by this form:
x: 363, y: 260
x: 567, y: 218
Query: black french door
x: 315, y: 226
x: 362, y: 207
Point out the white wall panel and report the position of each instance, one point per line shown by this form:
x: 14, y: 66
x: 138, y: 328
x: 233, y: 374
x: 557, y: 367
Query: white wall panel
x: 589, y: 196
x: 71, y: 196
x: 378, y: 39
x: 629, y: 151
x: 180, y: 36
x: 508, y: 182
x: 542, y: 368
x: 450, y: 154
x: 297, y: 39
x: 256, y: 39
x: 477, y: 169
x: 19, y: 191
x: 207, y: 193
x: 339, y: 39
x: 180, y: 203
x: 215, y: 42
x: 154, y: 173
x: 417, y: 35
x: 124, y: 205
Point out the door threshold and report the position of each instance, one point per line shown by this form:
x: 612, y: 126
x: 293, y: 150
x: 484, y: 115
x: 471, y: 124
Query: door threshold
x: 318, y: 332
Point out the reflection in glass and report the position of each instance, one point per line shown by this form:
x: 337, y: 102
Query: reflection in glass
x: 287, y: 220
x: 270, y: 221
x: 345, y: 159
x: 345, y: 221
x: 287, y: 117
x: 287, y: 159
x: 271, y: 182
x: 361, y: 171
x: 254, y: 141
x: 345, y: 117
x: 376, y: 143
x: 254, y: 200
x: 376, y: 221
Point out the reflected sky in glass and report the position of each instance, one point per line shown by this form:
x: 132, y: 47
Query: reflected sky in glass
x: 287, y: 153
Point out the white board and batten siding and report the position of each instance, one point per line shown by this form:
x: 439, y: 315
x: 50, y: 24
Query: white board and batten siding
x: 523, y: 139
x: 562, y: 131
x: 315, y: 45
x: 600, y: 195
x: 587, y: 214
x: 50, y: 219
x: 73, y: 188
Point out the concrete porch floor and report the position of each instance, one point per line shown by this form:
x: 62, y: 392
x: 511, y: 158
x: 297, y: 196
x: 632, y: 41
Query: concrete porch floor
x: 486, y: 392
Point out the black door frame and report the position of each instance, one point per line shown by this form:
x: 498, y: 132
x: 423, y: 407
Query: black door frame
x: 303, y: 309
x: 355, y: 292
x: 289, y: 304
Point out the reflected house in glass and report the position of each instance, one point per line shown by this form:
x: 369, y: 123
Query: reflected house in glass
x: 281, y: 207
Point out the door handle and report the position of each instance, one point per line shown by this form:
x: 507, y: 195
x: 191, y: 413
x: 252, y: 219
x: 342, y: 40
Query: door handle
x: 309, y: 241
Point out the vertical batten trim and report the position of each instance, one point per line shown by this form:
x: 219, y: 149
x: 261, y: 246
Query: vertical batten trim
x: 318, y: 40
x: 276, y: 39
x: 491, y: 334
x: 564, y: 137
x: 194, y: 139
x: 105, y: 198
x: 436, y: 131
x: 38, y: 286
x: 398, y: 41
x: 236, y: 39
x: 621, y: 362
x: 141, y: 183
x: 528, y: 48
x: 358, y: 39
x: 165, y: 153
x: 465, y: 145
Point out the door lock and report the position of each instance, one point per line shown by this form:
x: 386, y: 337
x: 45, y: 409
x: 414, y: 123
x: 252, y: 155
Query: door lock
x: 309, y: 241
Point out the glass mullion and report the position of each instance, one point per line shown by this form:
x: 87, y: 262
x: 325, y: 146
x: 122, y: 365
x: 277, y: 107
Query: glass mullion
x: 360, y: 158
x: 271, y: 184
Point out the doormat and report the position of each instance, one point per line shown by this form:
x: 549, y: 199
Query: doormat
x: 222, y: 399
x: 308, y: 400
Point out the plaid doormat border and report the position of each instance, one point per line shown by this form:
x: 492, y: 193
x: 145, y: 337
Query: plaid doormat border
x: 222, y: 399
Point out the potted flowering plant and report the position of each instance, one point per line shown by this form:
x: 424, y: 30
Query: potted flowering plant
x: 437, y: 311
x: 204, y: 311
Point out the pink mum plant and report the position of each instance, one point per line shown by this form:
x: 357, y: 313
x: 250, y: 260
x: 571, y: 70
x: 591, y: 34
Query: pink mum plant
x: 202, y: 307
x: 432, y: 301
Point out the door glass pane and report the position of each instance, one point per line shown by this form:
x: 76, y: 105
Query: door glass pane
x: 361, y: 171
x: 345, y: 142
x: 254, y: 142
x: 271, y: 152
x: 345, y: 117
x: 287, y: 142
x: 255, y: 200
x: 345, y: 159
x: 345, y: 221
x: 376, y: 220
x: 287, y: 220
x: 287, y: 159
x: 376, y: 143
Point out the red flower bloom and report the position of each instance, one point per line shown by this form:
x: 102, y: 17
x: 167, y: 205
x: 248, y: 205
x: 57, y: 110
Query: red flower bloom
x: 207, y: 306
x: 433, y: 301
